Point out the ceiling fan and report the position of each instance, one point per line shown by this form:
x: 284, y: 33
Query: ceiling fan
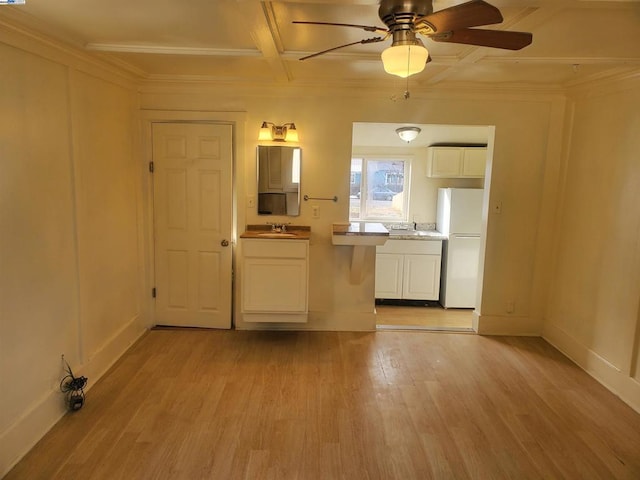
x: 405, y: 19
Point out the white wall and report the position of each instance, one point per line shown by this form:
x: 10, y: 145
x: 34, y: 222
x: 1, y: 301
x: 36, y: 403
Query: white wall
x: 594, y: 313
x: 70, y: 254
x: 523, y: 174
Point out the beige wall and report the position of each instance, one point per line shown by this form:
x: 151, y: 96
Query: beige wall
x: 74, y: 221
x: 593, y: 313
x: 524, y: 164
x: 70, y: 254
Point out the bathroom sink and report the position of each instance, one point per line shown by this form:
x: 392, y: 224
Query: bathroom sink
x: 277, y: 234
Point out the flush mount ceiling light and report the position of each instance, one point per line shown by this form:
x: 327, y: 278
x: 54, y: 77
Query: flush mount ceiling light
x: 408, y: 134
x: 278, y: 133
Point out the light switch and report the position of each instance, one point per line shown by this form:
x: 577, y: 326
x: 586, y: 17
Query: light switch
x: 497, y: 207
x: 251, y: 201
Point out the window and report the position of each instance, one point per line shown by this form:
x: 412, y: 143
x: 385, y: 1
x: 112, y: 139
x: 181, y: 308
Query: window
x: 379, y: 189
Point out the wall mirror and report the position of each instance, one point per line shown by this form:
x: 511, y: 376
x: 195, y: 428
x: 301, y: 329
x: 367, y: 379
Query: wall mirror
x: 279, y: 180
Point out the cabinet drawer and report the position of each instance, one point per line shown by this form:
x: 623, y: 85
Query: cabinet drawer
x: 275, y: 248
x: 426, y: 247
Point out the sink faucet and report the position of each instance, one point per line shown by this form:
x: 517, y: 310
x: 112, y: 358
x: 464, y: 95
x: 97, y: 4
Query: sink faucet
x: 278, y: 227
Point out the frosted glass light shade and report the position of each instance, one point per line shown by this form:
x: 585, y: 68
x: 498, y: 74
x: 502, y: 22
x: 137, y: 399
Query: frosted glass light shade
x: 292, y: 134
x: 404, y: 60
x: 266, y: 132
x: 408, y: 134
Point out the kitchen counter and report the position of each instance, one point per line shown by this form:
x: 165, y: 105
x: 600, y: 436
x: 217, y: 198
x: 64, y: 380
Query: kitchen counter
x: 416, y: 235
x: 360, y: 229
x: 359, y: 234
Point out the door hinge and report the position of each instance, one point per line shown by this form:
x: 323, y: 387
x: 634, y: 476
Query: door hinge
x: 151, y: 167
x: 153, y: 292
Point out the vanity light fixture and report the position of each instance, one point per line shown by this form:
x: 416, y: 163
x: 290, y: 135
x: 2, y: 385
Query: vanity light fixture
x: 278, y: 133
x: 408, y: 134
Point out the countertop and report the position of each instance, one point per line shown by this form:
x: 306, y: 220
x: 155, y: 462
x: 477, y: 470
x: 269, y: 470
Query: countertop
x: 416, y: 235
x: 366, y: 229
x: 360, y: 229
x: 292, y: 232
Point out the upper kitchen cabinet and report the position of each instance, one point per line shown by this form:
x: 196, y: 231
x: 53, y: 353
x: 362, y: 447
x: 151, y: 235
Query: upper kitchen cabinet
x: 456, y: 162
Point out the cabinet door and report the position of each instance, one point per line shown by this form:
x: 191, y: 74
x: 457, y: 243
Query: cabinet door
x: 421, y: 277
x: 389, y: 269
x: 445, y: 162
x: 474, y: 162
x: 274, y: 285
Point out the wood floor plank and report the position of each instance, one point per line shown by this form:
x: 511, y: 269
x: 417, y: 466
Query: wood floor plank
x: 197, y: 404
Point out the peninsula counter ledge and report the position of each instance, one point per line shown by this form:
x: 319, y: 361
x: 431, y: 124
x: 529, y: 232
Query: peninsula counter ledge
x: 358, y: 236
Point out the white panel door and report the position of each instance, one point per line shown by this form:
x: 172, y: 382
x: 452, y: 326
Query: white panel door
x: 192, y: 224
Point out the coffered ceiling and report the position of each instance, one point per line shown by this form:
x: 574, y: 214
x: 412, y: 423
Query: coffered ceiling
x: 574, y: 41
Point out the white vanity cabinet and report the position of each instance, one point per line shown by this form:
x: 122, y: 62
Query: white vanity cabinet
x: 275, y: 280
x: 456, y: 162
x: 408, y: 269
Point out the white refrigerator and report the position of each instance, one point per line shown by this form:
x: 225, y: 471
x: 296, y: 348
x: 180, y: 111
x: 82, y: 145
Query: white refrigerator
x: 459, y: 217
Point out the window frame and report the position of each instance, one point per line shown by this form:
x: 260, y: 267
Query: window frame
x: 365, y: 159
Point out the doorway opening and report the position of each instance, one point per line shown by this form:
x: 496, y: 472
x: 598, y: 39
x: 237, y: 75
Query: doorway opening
x: 411, y: 285
x: 420, y: 315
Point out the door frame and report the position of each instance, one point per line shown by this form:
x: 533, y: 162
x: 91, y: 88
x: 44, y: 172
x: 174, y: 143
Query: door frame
x: 237, y: 120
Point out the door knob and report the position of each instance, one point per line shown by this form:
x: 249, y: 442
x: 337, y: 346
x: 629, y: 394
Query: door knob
x: 224, y: 243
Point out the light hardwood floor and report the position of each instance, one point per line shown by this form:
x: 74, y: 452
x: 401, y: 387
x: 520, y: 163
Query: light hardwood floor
x: 436, y: 318
x: 197, y: 404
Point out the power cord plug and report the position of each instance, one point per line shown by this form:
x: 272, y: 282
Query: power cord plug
x: 73, y: 387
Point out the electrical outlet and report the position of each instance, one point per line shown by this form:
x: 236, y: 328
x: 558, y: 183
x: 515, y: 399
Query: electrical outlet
x: 315, y: 211
x: 510, y: 306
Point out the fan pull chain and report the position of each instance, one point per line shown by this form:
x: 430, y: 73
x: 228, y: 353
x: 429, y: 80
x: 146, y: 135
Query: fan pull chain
x: 406, y: 91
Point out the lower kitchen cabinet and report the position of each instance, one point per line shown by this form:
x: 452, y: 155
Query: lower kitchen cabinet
x: 408, y: 269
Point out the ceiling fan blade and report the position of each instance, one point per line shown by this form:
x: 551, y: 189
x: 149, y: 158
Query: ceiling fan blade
x: 486, y: 38
x: 366, y: 40
x: 364, y: 27
x: 471, y: 14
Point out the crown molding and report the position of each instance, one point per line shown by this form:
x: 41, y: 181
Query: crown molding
x: 15, y: 33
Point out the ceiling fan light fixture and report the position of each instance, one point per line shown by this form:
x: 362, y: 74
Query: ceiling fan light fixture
x: 404, y: 60
x: 408, y: 134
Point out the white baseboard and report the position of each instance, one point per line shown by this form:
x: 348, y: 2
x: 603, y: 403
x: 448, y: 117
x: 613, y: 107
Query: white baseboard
x: 523, y: 326
x: 506, y: 325
x: 27, y: 430
x: 615, y: 380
